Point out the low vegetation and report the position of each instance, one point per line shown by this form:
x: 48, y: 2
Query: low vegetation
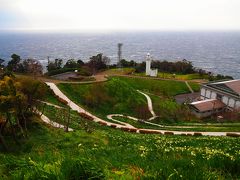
x: 114, y: 96
x: 106, y: 153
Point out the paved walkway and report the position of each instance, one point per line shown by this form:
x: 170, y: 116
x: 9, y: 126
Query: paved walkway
x: 189, y: 87
x: 126, y: 125
x: 150, y: 106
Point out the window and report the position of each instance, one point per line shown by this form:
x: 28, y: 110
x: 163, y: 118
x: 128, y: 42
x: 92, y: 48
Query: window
x: 219, y: 96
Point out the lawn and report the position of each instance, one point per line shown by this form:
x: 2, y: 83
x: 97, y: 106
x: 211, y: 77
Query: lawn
x: 166, y: 75
x: 160, y: 87
x: 111, y: 97
x: 107, y: 153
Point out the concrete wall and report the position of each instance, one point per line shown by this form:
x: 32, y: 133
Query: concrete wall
x: 154, y: 72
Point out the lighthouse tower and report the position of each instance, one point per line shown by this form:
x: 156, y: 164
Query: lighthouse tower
x: 148, y: 64
x: 149, y: 71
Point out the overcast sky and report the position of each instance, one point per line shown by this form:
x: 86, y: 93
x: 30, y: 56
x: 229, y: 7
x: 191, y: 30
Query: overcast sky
x: 97, y: 15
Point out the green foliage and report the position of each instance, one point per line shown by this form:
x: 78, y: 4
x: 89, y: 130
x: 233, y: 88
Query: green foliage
x: 17, y: 100
x: 98, y: 62
x: 57, y: 64
x: 111, y: 154
x: 184, y: 66
x: 81, y: 71
x: 80, y: 169
x: 71, y: 63
x: 14, y: 62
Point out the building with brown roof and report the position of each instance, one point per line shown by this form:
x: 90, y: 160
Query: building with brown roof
x: 216, y: 97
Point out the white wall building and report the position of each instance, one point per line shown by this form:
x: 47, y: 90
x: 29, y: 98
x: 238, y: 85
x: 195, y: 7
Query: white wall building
x: 226, y: 92
x: 149, y: 71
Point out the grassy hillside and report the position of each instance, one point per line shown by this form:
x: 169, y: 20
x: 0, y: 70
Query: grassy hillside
x: 119, y: 96
x: 113, y: 154
x: 161, y: 87
x: 111, y: 97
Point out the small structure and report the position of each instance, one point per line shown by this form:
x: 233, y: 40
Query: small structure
x: 217, y: 96
x: 149, y: 71
x: 207, y: 107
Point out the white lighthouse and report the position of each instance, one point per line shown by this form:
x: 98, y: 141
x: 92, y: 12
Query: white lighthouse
x: 149, y: 71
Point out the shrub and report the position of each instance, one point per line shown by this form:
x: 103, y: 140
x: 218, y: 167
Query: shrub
x: 84, y: 115
x: 125, y: 129
x: 197, y: 134
x: 113, y: 125
x: 61, y: 100
x: 102, y: 123
x: 233, y: 135
x: 168, y: 133
x: 144, y: 131
x: 73, y: 169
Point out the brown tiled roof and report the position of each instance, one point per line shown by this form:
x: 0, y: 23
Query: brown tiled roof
x: 208, y: 105
x: 234, y: 85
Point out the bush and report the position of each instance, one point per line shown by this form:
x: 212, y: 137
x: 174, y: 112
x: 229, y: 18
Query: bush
x: 84, y: 115
x: 83, y: 71
x: 168, y: 133
x: 233, y: 135
x: 80, y: 169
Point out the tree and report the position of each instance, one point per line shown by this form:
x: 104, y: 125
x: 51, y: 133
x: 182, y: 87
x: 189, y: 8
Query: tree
x: 14, y: 63
x: 80, y: 62
x: 17, y: 101
x: 98, y: 62
x: 11, y: 102
x: 57, y: 64
x: 71, y: 63
x: 32, y: 66
x: 1, y: 63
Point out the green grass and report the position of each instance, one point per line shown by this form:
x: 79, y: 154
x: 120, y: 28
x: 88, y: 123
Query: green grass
x: 195, y: 86
x: 176, y: 76
x: 113, y: 154
x: 160, y: 87
x: 114, y: 96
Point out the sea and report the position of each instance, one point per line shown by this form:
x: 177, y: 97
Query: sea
x: 218, y: 52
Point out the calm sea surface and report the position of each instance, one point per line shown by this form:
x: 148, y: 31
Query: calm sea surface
x: 218, y: 52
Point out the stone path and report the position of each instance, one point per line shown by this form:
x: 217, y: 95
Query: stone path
x: 127, y: 126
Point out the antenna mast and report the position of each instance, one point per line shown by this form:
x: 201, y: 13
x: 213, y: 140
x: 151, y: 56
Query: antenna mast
x: 119, y: 54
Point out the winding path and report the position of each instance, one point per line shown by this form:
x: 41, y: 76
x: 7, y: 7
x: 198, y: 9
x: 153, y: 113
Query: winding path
x: 52, y: 123
x: 119, y: 124
x: 150, y: 106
